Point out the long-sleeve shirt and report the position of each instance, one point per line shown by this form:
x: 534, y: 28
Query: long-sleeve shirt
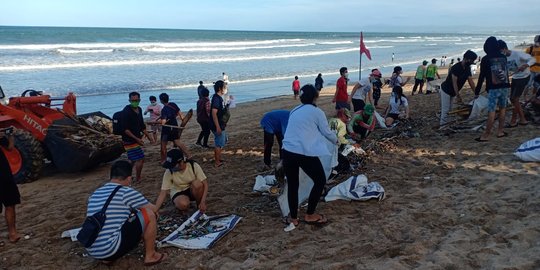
x: 306, y: 131
x: 517, y: 59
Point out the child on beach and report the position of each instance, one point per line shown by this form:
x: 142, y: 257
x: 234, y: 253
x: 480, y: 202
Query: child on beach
x: 396, y: 79
x: 155, y: 111
x: 377, y: 85
x: 203, y: 118
x: 397, y: 102
x: 295, y: 86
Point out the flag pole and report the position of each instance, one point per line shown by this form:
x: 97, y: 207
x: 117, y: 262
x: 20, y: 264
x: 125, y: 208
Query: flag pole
x: 360, y: 69
x: 360, y: 64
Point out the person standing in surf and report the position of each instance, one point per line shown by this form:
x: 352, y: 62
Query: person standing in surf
x: 295, y: 86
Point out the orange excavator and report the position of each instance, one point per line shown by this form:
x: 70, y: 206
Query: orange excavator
x: 46, y: 131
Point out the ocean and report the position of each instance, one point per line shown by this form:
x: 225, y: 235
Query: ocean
x: 102, y: 65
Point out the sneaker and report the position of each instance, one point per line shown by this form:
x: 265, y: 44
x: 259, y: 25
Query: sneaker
x: 206, y: 146
x: 198, y: 144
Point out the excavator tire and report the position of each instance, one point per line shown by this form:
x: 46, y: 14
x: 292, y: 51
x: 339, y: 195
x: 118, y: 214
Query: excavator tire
x: 29, y: 153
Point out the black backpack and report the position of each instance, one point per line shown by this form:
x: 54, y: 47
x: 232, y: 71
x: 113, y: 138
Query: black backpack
x: 117, y: 124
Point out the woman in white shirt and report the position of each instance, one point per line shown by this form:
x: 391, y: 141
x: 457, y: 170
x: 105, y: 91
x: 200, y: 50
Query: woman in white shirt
x: 303, y: 143
x: 397, y: 102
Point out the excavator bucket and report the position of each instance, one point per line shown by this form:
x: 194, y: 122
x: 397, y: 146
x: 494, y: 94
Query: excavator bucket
x: 82, y: 142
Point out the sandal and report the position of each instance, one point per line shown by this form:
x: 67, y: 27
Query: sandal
x: 319, y: 222
x: 480, y: 140
x: 502, y: 135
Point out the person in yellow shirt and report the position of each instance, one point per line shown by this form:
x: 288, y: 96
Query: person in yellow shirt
x: 184, y: 180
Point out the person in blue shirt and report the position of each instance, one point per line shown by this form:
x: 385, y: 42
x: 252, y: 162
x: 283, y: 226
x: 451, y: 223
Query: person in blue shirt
x: 274, y: 123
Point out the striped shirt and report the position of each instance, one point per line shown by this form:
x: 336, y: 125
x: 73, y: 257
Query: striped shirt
x: 117, y: 212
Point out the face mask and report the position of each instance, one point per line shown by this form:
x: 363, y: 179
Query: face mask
x: 134, y: 104
x: 346, y: 74
x: 153, y: 103
x: 225, y: 90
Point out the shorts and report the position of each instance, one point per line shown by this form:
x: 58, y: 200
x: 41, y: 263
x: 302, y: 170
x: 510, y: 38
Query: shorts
x: 517, y: 87
x: 394, y: 116
x: 430, y: 79
x: 342, y: 104
x: 295, y: 92
x: 9, y: 192
x: 134, y: 151
x: 220, y: 140
x: 169, y: 135
x: 358, y: 104
x: 131, y: 234
x: 186, y: 192
x: 497, y: 97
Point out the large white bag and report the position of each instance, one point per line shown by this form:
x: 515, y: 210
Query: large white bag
x: 356, y: 188
x: 529, y: 150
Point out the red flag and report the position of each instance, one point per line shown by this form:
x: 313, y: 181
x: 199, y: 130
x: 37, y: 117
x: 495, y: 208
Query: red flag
x: 363, y: 48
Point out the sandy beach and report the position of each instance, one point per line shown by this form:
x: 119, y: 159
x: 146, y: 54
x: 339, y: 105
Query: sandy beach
x: 451, y: 203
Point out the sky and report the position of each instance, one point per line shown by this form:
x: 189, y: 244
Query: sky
x: 279, y: 15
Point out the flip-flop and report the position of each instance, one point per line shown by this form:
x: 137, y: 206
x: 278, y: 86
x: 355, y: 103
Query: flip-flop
x: 503, y: 135
x: 319, y: 222
x: 163, y: 255
x: 510, y: 125
x: 480, y: 140
x: 522, y: 124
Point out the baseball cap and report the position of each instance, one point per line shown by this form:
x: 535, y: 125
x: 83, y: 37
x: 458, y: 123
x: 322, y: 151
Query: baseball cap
x: 174, y: 156
x: 424, y: 62
x: 368, y: 109
x: 433, y: 60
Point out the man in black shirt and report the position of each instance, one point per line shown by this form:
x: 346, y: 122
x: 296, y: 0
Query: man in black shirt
x: 458, y: 74
x: 9, y: 193
x: 133, y: 125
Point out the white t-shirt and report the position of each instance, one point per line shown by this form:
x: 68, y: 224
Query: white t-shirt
x: 515, y: 60
x: 363, y: 90
x: 396, y: 106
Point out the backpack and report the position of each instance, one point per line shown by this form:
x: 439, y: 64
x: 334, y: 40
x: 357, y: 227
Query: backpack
x: 192, y: 162
x: 393, y: 81
x: 117, y: 123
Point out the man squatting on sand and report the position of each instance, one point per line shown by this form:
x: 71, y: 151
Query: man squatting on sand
x: 184, y: 180
x: 129, y: 218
